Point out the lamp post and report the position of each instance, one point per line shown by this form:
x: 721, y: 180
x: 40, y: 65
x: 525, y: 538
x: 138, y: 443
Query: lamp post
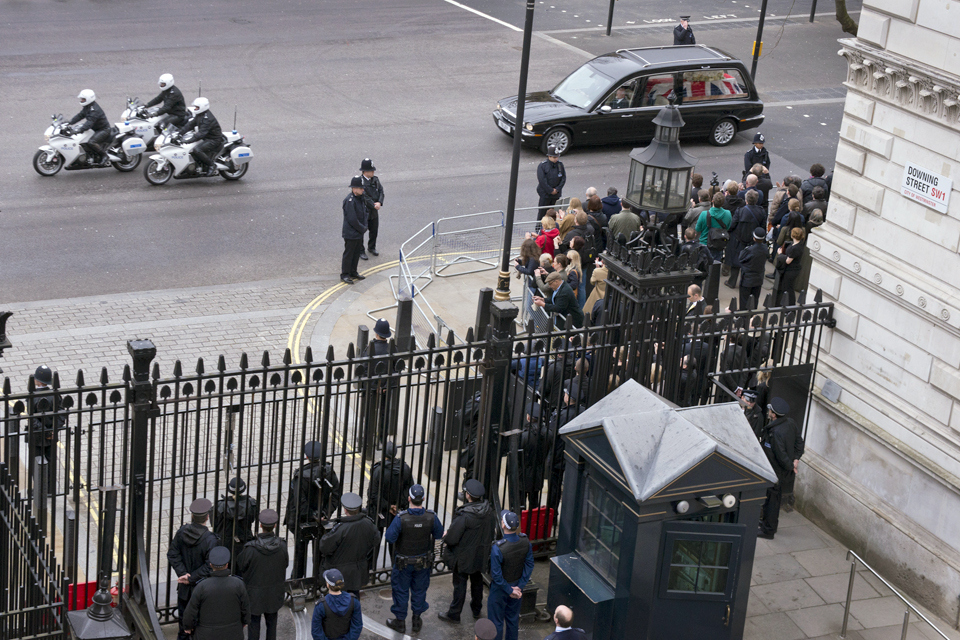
x: 503, y: 278
x: 660, y: 172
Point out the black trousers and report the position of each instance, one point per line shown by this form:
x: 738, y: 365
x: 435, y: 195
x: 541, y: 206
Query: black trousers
x: 546, y: 201
x: 253, y: 629
x: 203, y: 151
x: 181, y: 607
x: 301, y: 542
x: 97, y: 143
x: 169, y: 118
x: 373, y: 227
x: 770, y: 516
x: 460, y: 593
x: 788, y: 280
x: 351, y: 257
x: 746, y: 292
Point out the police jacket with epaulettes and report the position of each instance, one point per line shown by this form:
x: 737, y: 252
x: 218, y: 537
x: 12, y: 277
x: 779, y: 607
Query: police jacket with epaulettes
x: 511, y: 561
x: 372, y: 194
x: 94, y: 116
x: 207, y: 127
x: 312, y: 490
x: 550, y: 176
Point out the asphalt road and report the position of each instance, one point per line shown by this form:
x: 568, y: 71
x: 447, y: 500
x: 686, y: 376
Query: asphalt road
x: 318, y: 87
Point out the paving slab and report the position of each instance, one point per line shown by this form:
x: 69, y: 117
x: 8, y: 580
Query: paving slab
x: 878, y: 612
x: 821, y: 621
x: 822, y: 562
x: 799, y: 538
x: 787, y: 596
x: 777, y: 568
x: 834, y: 588
x: 772, y: 625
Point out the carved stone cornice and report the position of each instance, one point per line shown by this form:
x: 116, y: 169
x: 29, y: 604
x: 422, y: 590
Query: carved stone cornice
x: 905, y: 83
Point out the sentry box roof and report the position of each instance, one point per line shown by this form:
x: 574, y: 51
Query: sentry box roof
x: 659, y: 452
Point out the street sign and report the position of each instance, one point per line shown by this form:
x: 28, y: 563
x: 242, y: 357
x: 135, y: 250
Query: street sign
x: 926, y: 187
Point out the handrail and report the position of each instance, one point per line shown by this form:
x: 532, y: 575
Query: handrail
x: 853, y: 559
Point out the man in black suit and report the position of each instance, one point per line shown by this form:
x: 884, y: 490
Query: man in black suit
x: 621, y: 101
x: 563, y: 618
x: 563, y: 302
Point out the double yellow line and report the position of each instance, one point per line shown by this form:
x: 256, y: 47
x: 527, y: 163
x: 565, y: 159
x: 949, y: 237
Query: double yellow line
x: 296, y: 332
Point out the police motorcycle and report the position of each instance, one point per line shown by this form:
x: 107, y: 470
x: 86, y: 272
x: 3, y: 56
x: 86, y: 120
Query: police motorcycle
x: 174, y: 160
x: 65, y: 149
x: 136, y: 120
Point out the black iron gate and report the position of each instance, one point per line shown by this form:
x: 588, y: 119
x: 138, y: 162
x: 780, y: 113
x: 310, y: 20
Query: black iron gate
x: 453, y: 411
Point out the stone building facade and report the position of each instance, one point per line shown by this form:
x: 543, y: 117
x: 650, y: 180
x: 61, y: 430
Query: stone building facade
x: 883, y: 461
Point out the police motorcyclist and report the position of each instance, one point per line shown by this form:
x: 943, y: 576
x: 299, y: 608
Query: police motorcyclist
x: 390, y: 482
x: 314, y: 493
x: 413, y: 533
x: 350, y: 544
x: 188, y: 556
x: 234, y: 517
x: 173, y: 108
x: 93, y: 118
x: 207, y: 132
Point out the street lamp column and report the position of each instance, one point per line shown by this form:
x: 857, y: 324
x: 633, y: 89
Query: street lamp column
x: 503, y: 279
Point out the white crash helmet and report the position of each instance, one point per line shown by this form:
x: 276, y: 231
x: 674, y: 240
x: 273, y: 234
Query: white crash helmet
x: 200, y: 105
x: 87, y: 96
x: 166, y: 81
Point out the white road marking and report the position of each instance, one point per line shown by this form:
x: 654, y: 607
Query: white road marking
x: 483, y: 15
x: 565, y: 45
x: 653, y: 24
x: 791, y: 104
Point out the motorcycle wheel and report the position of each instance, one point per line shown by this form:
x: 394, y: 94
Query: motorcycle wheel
x: 129, y: 165
x: 45, y: 167
x: 235, y: 174
x: 157, y: 176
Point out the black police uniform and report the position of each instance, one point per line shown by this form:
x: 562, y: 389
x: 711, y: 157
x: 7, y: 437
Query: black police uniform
x: 207, y: 130
x: 779, y: 443
x: 354, y: 226
x: 263, y: 566
x: 219, y: 608
x: 314, y: 493
x: 372, y: 193
x: 753, y: 262
x: 534, y: 452
x: 390, y: 483
x: 188, y: 554
x: 173, y: 108
x: 753, y: 156
x: 469, y: 538
x: 349, y: 547
x: 757, y: 419
x: 550, y: 176
x: 381, y: 396
x: 95, y: 119
x: 683, y: 36
x: 234, y: 519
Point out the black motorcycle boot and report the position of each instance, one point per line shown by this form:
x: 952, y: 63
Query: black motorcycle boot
x: 417, y: 623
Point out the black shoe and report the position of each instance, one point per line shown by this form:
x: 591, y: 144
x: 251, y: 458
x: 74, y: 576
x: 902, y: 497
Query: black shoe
x: 374, y: 251
x: 346, y: 279
x: 449, y: 617
x: 417, y: 624
x: 725, y: 270
x: 768, y: 275
x: 477, y: 615
x: 765, y: 535
x: 400, y: 626
x: 357, y: 276
x: 729, y: 285
x: 363, y: 256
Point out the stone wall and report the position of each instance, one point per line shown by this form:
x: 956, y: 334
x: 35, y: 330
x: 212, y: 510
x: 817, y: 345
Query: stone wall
x: 883, y: 468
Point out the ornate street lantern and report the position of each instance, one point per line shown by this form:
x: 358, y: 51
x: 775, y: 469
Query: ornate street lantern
x: 660, y: 172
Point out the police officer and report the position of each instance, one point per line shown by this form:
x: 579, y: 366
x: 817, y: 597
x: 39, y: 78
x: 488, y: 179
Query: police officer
x: 93, y: 118
x: 262, y: 564
x: 354, y: 226
x: 381, y: 395
x: 535, y: 452
x: 45, y: 421
x: 219, y: 608
x: 189, y: 556
x: 683, y: 34
x: 469, y: 539
x: 173, y: 108
x: 780, y: 438
x: 373, y: 199
x: 234, y: 516
x: 314, y: 493
x: 511, y: 564
x: 350, y: 544
x: 756, y: 155
x: 413, y: 533
x: 203, y: 127
x: 484, y: 630
x: 753, y: 412
x: 550, y: 180
x: 390, y: 483
x: 337, y: 615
